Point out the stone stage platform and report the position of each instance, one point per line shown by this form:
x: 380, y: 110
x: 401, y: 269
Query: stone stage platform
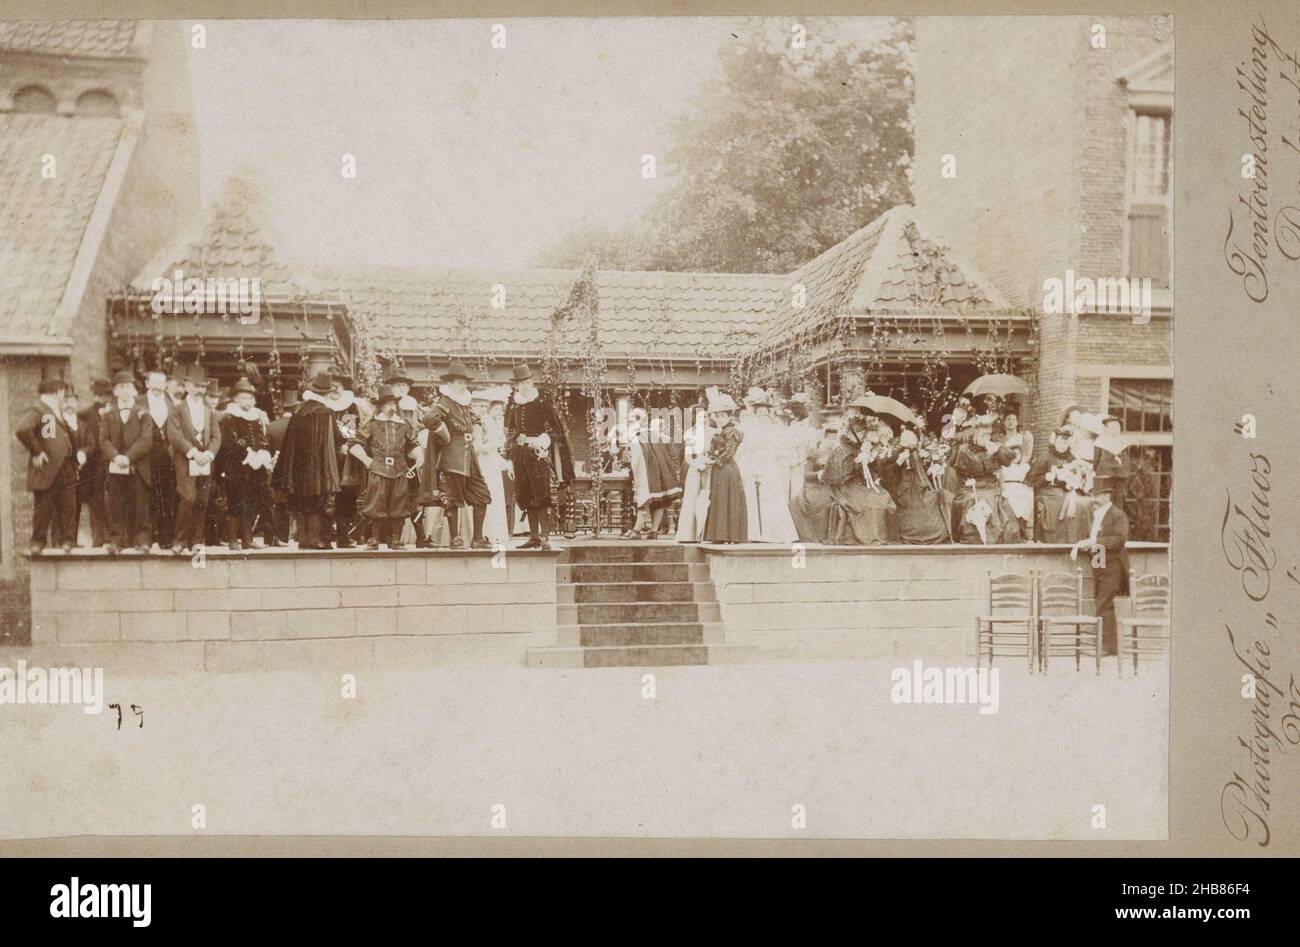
x: 584, y: 604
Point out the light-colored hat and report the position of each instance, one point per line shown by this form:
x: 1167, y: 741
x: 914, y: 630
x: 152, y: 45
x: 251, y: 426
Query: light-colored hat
x: 982, y: 420
x: 757, y: 396
x: 719, y: 400
x: 1092, y: 424
x: 490, y: 395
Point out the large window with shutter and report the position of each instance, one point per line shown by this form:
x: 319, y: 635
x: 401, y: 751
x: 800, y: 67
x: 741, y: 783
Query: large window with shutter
x: 1150, y: 234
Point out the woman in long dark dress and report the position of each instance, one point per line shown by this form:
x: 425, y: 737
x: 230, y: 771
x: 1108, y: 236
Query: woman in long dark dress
x: 1053, y: 520
x: 811, y: 508
x: 728, y: 519
x: 921, y: 516
x: 863, y: 514
x: 984, y: 516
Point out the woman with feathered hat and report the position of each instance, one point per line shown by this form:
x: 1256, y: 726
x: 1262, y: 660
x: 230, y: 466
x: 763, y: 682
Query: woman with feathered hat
x: 728, y: 519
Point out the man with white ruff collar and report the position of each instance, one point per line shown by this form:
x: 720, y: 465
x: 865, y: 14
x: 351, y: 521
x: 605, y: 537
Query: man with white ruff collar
x: 243, y: 463
x: 537, y: 444
x: 307, y: 471
x: 460, y: 480
x: 352, y: 474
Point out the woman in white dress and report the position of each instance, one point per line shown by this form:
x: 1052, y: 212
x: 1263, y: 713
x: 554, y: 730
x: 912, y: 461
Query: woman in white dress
x: 695, y: 490
x: 764, y: 462
x: 1014, y: 476
x: 489, y: 447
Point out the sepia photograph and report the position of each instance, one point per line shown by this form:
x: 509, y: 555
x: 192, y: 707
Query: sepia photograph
x: 707, y: 427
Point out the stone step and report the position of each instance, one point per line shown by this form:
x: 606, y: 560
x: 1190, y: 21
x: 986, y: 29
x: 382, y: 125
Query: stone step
x: 631, y: 572
x: 595, y: 593
x: 629, y: 551
x: 628, y: 613
x: 639, y: 656
x: 596, y: 636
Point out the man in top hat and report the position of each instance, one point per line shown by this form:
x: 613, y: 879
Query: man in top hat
x: 307, y: 470
x: 126, y: 445
x: 387, y: 446
x: 539, y: 450
x: 85, y: 484
x: 194, y: 433
x: 451, y: 423
x: 91, y: 484
x: 51, y: 467
x: 1108, y: 547
x: 175, y: 387
x: 243, y: 464
x: 162, y: 478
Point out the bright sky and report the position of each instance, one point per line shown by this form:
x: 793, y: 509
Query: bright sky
x: 466, y: 155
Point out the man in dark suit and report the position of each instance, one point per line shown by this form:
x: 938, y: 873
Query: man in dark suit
x: 276, y: 517
x: 162, y: 487
x: 1108, y: 547
x: 90, y: 483
x: 195, y: 437
x: 51, y: 467
x: 460, y: 480
x: 125, y: 445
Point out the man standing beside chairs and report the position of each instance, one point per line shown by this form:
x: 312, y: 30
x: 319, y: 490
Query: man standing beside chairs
x: 125, y: 446
x: 195, y: 438
x: 51, y: 468
x: 1108, y: 547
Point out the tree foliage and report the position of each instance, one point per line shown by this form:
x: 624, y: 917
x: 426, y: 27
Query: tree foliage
x: 785, y: 154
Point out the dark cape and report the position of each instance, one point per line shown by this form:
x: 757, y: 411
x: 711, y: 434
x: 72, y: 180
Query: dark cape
x: 308, y: 467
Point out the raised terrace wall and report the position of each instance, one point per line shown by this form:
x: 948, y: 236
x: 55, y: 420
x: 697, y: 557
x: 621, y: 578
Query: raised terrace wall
x: 904, y: 601
x: 280, y: 610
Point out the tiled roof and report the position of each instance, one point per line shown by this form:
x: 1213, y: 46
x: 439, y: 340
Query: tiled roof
x: 231, y: 239
x: 644, y: 314
x: 43, y: 220
x: 109, y: 38
x: 892, y: 265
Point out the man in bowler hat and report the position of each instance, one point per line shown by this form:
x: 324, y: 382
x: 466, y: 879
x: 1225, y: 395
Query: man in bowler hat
x: 51, y: 467
x: 126, y: 446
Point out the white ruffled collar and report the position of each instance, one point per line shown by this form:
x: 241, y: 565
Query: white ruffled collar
x: 252, y: 414
x: 461, y: 399
x: 520, y: 399
x: 319, y: 399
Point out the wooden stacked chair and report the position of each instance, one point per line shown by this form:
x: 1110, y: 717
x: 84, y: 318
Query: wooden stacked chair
x: 1063, y: 628
x: 1147, y: 632
x: 1008, y: 626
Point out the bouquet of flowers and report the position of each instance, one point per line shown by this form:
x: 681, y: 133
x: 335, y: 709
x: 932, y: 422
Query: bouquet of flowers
x: 934, y: 453
x: 1075, y: 477
x: 877, y: 444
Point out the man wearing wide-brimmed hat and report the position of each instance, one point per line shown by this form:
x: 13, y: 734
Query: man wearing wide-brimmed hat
x: 307, y: 470
x: 539, y: 450
x: 126, y: 445
x: 389, y: 450
x: 352, y: 474
x: 195, y: 439
x: 451, y: 423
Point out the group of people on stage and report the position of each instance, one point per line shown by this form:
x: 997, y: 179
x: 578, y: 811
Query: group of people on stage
x: 764, y: 472
x: 180, y: 464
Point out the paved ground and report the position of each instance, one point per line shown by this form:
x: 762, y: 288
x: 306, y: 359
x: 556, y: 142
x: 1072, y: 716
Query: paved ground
x: 724, y: 750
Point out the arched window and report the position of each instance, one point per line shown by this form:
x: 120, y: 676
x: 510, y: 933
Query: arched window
x: 97, y: 104
x: 33, y: 98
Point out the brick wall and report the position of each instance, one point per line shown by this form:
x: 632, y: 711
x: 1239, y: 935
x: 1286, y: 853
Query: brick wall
x: 460, y: 599
x: 892, y: 600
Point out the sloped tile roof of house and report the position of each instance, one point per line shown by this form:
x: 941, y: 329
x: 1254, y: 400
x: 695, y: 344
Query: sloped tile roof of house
x: 892, y: 265
x: 106, y: 38
x: 643, y: 314
x: 43, y: 221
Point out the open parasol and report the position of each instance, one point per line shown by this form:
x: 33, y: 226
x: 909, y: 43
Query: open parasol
x: 1000, y: 385
x: 879, y: 404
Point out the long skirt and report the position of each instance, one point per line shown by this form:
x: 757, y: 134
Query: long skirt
x: 922, y: 514
x: 767, y: 502
x: 811, y: 512
x: 862, y: 516
x: 695, y: 506
x: 999, y: 526
x: 1055, y: 522
x: 727, y: 521
x: 494, y: 521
